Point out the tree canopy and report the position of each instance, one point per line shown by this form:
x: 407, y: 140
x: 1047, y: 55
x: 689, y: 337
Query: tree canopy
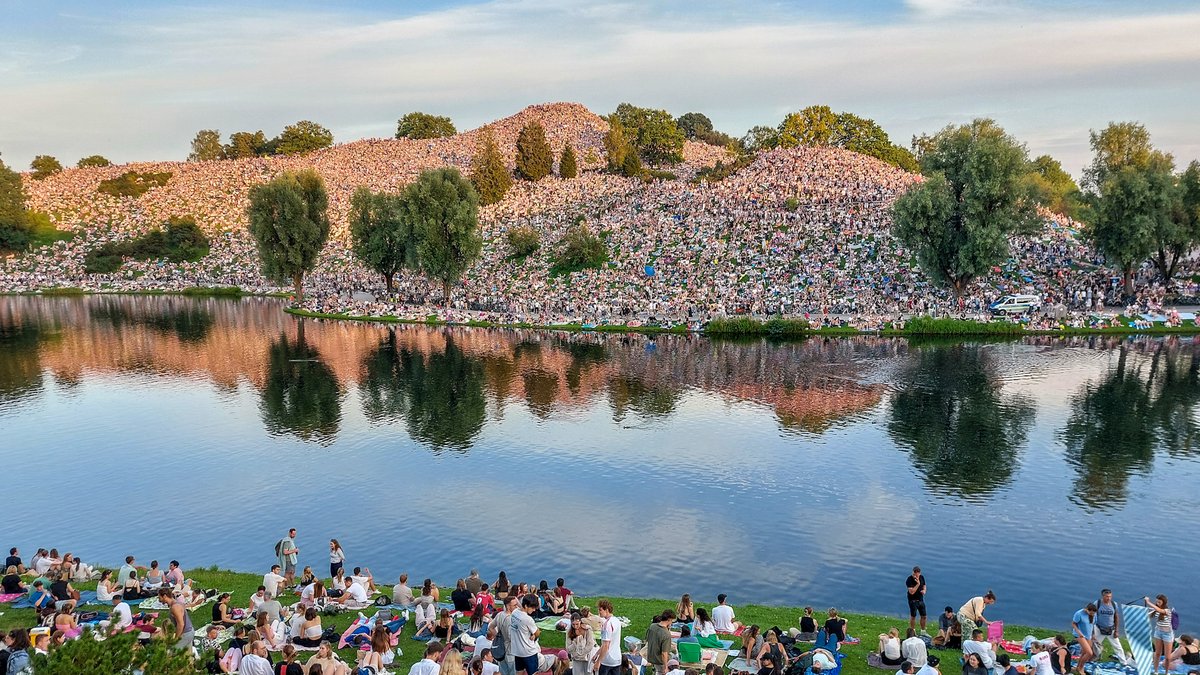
x: 817, y: 126
x: 568, y: 166
x: 694, y: 125
x: 380, y: 236
x: 206, y: 146
x: 535, y: 159
x: 616, y: 144
x: 1053, y: 187
x: 14, y: 220
x: 303, y: 136
x: 653, y: 133
x: 489, y: 174
x: 45, y: 166
x: 959, y: 219
x: 443, y: 210
x: 246, y: 144
x: 289, y: 221
x: 93, y: 160
x: 421, y: 125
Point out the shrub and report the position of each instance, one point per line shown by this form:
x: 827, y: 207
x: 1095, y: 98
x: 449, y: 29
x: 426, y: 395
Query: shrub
x: 631, y: 165
x: 791, y: 204
x: 659, y: 174
x: 133, y: 184
x: 928, y: 325
x: 721, y: 170
x: 581, y: 249
x: 523, y: 241
x: 776, y: 327
x: 181, y: 241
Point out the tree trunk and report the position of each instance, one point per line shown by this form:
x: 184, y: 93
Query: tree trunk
x: 388, y: 279
x: 298, y: 282
x: 446, y: 293
x: 1128, y: 281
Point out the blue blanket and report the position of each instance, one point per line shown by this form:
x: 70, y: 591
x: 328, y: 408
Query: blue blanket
x: 85, y: 598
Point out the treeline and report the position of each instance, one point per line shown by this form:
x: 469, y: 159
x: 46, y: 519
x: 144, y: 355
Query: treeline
x: 301, y: 137
x: 981, y: 189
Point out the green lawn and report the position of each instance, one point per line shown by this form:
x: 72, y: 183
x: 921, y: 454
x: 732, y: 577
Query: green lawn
x: 864, y: 626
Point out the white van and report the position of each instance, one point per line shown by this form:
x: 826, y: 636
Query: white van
x: 1016, y: 304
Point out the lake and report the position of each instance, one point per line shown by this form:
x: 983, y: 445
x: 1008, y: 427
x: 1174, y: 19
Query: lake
x: 813, y: 472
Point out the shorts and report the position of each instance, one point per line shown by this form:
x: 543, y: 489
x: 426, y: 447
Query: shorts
x: 289, y: 568
x: 610, y: 670
x: 1167, y: 636
x: 916, y: 607
x: 529, y: 664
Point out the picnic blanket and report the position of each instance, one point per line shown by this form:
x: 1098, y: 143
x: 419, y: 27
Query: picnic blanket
x: 9, y: 597
x: 85, y: 598
x: 153, y: 604
x: 1135, y: 619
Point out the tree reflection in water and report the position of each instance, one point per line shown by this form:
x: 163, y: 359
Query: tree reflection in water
x: 964, y: 434
x: 301, y: 395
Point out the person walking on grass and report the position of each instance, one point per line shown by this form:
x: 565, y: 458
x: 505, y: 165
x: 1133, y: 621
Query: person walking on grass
x: 915, y: 584
x: 1108, y: 627
x: 608, y: 659
x: 1083, y: 625
x: 523, y: 634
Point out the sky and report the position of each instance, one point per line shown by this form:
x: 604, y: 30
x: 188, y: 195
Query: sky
x: 135, y: 80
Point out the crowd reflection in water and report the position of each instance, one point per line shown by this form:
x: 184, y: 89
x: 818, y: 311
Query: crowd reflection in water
x: 946, y: 404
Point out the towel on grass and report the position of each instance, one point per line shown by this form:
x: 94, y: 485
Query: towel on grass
x: 85, y: 598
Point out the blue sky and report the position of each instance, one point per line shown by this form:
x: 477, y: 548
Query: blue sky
x: 135, y: 80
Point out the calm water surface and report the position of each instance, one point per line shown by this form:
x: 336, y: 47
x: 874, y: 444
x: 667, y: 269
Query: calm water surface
x: 815, y: 472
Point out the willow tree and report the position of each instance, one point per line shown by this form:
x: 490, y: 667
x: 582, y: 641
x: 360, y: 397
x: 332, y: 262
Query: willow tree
x: 380, y: 237
x: 958, y: 221
x: 442, y: 209
x: 289, y: 221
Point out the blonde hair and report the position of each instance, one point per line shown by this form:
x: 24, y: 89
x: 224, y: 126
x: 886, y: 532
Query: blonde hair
x: 452, y: 664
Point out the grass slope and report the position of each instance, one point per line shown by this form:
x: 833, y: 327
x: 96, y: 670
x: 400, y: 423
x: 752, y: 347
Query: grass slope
x: 639, y: 610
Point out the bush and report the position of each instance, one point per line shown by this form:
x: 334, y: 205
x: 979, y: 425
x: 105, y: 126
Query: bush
x: 791, y: 204
x: 631, y: 165
x: 93, y: 160
x: 581, y: 249
x: 181, y: 241
x: 133, y: 184
x: 776, y: 327
x: 523, y: 241
x: 659, y: 174
x: 928, y: 325
x: 720, y: 171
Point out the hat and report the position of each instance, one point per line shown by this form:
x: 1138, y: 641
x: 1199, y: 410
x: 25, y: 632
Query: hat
x: 672, y: 663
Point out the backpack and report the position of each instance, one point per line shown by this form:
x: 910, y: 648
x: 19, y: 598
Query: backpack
x: 4, y: 662
x: 499, y: 650
x: 1174, y: 620
x: 278, y: 548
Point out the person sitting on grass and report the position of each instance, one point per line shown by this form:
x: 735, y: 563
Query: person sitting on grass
x: 685, y: 610
x: 752, y: 644
x: 12, y: 581
x: 363, y: 577
x: 550, y: 602
x: 772, y: 649
x: 835, y: 626
x: 256, y: 600
x: 428, y: 665
x: 42, y: 599
x: 564, y: 594
x: 767, y: 666
x: 808, y: 626
x: 973, y: 665
x: 906, y: 668
x: 155, y: 577
x: 131, y: 588
x: 220, y: 612
x: 703, y: 626
x: 312, y: 594
x: 401, y: 594
x: 913, y: 649
x: 326, y: 662
x: 949, y: 632
x: 723, y: 617
x: 981, y: 647
x: 1060, y: 656
x: 889, y: 648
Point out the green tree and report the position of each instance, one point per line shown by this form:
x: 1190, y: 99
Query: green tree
x: 443, y: 210
x: 694, y: 125
x: 616, y: 144
x: 380, y: 237
x: 1132, y: 217
x: 631, y: 166
x: 1119, y: 145
x: 44, y: 166
x: 959, y: 220
x: 421, y: 125
x: 761, y: 138
x: 118, y: 654
x: 289, y: 221
x: 1053, y: 187
x: 206, y: 146
x: 15, y: 227
x: 303, y: 136
x: 93, y: 160
x: 301, y: 395
x: 489, y: 174
x: 653, y: 133
x: 949, y: 410
x: 812, y: 127
x: 568, y: 167
x: 245, y: 144
x: 535, y: 159
x: 1178, y: 234
x: 580, y: 249
x: 523, y: 241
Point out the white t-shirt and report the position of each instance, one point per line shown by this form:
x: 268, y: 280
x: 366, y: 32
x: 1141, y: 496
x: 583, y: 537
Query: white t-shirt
x: 520, y: 635
x: 722, y: 616
x: 253, y: 664
x: 490, y: 668
x: 424, y: 667
x: 611, y: 631
x: 358, y: 593
x: 983, y: 649
x: 927, y: 670
x: 307, y: 593
x: 913, y: 650
x: 272, y: 581
x: 1041, y: 663
x: 255, y: 601
x: 365, y: 581
x: 124, y: 615
x: 704, y: 628
x: 891, y: 648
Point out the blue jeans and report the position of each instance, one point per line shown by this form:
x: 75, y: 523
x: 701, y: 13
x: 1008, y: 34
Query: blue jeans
x: 529, y: 664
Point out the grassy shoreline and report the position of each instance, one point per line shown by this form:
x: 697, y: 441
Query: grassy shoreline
x: 865, y: 626
x: 722, y: 328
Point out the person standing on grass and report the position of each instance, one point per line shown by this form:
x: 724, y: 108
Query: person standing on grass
x: 523, y: 636
x: 915, y: 583
x: 337, y: 557
x: 1083, y: 625
x: 1108, y: 627
x: 181, y: 621
x: 288, y: 555
x: 499, y: 630
x: 608, y: 659
x: 658, y: 642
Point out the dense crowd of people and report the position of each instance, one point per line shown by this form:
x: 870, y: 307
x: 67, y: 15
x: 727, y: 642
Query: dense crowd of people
x: 799, y: 232
x: 494, y: 628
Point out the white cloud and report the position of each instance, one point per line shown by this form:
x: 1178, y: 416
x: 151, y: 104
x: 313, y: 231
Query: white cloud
x: 139, y: 91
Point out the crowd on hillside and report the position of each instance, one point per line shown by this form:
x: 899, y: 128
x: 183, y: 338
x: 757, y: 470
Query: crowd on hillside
x: 495, y: 628
x: 799, y: 232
